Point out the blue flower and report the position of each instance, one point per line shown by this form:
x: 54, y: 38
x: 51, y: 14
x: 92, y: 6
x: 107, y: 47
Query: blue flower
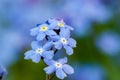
x: 58, y: 24
x: 2, y: 71
x: 64, y: 40
x: 41, y: 31
x: 111, y: 41
x: 40, y: 51
x: 88, y: 72
x: 59, y: 67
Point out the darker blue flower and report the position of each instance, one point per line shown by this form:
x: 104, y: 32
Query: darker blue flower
x: 59, y: 67
x: 64, y: 40
x: 41, y: 31
x: 2, y: 71
x: 40, y: 51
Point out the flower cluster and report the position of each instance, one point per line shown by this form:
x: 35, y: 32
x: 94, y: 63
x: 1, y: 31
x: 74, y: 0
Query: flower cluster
x: 51, y: 36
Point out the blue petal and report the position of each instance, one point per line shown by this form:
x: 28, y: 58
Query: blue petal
x: 52, y: 20
x: 28, y: 54
x: 48, y: 54
x: 55, y: 38
x: 71, y: 42
x: 53, y: 23
x: 34, y: 31
x: 50, y: 32
x: 65, y: 33
x: 63, y: 60
x: 36, y: 58
x: 68, y: 49
x: 41, y: 36
x: 60, y: 74
x: 58, y: 45
x: 48, y: 45
x: 38, y: 24
x: 69, y: 27
x: 68, y: 69
x: 49, y: 62
x: 42, y: 25
x: 36, y: 44
x: 49, y: 69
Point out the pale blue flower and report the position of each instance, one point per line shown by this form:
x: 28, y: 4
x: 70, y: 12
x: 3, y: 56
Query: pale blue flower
x: 88, y: 72
x: 58, y: 24
x: 108, y: 42
x: 64, y: 40
x: 11, y: 42
x: 41, y: 31
x: 59, y: 67
x: 40, y: 51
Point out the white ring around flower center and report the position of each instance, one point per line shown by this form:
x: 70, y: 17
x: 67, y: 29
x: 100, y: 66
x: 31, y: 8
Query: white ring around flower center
x: 43, y: 28
x: 58, y: 65
x: 63, y: 40
x: 39, y: 50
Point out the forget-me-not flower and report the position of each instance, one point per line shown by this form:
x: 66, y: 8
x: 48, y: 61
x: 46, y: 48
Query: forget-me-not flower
x: 59, y: 67
x: 41, y: 31
x: 58, y: 24
x: 39, y: 51
x: 64, y: 40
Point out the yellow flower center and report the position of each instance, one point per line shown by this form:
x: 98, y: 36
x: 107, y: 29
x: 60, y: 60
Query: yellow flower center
x: 63, y: 40
x: 39, y: 50
x: 43, y: 28
x: 58, y: 65
x: 60, y: 24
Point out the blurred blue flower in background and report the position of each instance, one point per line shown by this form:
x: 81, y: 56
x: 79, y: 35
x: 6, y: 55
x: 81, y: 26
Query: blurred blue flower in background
x: 79, y: 13
x: 11, y: 43
x: 82, y: 13
x: 88, y: 72
x: 2, y: 71
x: 108, y: 42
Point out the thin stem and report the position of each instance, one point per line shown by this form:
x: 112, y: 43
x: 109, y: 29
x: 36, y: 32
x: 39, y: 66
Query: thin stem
x: 52, y: 76
x: 47, y: 77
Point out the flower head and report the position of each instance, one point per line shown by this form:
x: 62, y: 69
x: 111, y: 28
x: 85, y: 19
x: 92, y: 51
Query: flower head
x: 64, y: 40
x: 59, y: 24
x: 41, y: 31
x: 39, y: 51
x: 59, y: 67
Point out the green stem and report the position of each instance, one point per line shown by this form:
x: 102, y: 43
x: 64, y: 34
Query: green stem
x: 47, y: 77
x: 52, y: 76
